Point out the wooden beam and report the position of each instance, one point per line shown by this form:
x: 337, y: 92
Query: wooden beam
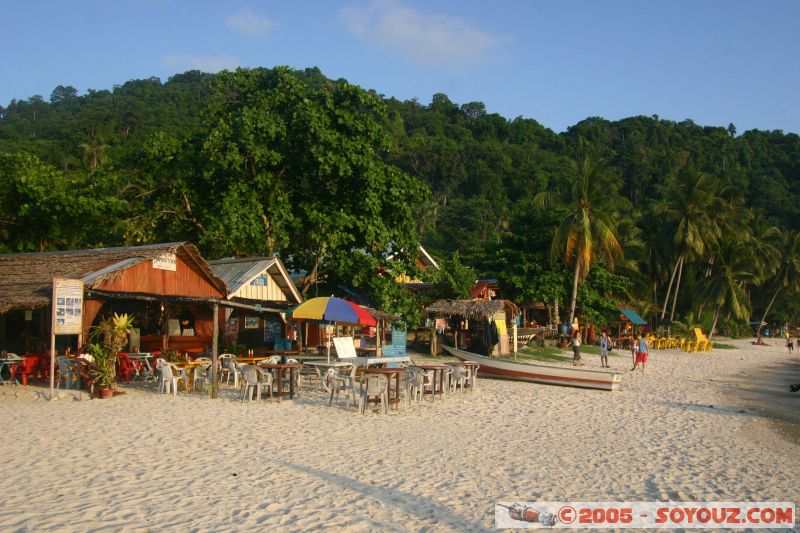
x: 214, y: 354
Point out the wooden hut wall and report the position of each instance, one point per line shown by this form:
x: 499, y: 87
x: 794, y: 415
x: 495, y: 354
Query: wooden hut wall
x: 270, y: 292
x: 183, y: 281
x: 143, y: 278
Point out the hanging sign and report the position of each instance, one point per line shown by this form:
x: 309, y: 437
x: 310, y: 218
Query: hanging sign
x: 67, y: 306
x: 165, y: 262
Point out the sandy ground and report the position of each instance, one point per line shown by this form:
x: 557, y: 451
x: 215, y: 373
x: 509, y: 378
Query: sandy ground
x: 692, y: 427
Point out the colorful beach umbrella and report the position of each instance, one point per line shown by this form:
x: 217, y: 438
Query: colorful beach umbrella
x: 332, y: 309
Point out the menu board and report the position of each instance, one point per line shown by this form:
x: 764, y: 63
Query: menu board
x: 67, y: 306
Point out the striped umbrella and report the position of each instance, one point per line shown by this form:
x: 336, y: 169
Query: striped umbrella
x: 332, y: 309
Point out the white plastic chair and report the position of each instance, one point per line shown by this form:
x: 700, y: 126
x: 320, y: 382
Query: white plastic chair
x: 375, y: 385
x: 472, y: 377
x: 168, y: 377
x: 339, y: 383
x: 251, y: 382
x: 202, y: 377
x: 458, y: 379
x: 413, y: 379
x: 230, y: 368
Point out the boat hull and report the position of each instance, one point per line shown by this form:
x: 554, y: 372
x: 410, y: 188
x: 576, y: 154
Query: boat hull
x: 548, y: 375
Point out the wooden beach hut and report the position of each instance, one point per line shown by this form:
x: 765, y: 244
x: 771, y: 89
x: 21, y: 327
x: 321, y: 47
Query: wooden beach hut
x: 467, y: 320
x: 265, y: 285
x: 168, y: 288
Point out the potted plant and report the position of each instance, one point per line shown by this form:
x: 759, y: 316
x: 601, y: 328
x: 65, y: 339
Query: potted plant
x: 110, y: 337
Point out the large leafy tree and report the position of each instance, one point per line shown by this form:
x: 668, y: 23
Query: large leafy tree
x: 284, y: 166
x: 41, y: 209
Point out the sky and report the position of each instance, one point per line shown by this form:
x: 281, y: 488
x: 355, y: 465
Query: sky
x: 715, y: 62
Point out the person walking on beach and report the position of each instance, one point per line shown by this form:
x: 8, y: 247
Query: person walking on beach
x: 641, y: 353
x: 790, y: 343
x: 604, y: 343
x: 576, y: 349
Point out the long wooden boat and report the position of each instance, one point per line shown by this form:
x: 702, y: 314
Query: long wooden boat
x: 549, y: 375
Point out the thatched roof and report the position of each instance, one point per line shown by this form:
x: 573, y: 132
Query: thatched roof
x: 471, y: 308
x: 380, y: 315
x: 26, y: 280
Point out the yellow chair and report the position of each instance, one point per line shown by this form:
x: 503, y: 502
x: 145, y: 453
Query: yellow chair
x: 698, y: 333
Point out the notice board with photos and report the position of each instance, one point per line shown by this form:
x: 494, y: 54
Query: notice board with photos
x: 67, y: 306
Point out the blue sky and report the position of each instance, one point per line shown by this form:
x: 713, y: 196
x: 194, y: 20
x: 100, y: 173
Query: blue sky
x: 712, y: 61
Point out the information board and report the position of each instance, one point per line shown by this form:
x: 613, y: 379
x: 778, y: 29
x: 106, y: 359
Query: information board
x: 67, y: 306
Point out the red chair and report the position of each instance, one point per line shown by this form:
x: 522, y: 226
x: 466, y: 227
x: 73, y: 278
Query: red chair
x: 25, y: 368
x: 125, y: 367
x: 43, y: 366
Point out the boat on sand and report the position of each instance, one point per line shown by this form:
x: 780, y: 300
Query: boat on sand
x: 549, y: 375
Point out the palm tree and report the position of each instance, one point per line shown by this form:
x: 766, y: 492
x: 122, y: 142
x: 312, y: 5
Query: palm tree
x: 725, y: 287
x: 94, y: 151
x: 787, y: 276
x: 690, y: 201
x: 588, y: 230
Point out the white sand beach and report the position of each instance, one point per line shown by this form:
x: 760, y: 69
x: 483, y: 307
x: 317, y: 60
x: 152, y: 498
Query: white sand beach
x: 140, y: 461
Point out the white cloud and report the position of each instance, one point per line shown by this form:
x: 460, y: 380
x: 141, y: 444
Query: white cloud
x: 433, y: 40
x: 247, y: 23
x: 213, y: 63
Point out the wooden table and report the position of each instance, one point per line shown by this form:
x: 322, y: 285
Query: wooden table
x: 293, y: 369
x: 189, y: 367
x: 437, y: 368
x: 389, y: 372
x: 249, y: 360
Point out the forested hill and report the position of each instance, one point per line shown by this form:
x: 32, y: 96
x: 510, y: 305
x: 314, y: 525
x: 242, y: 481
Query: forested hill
x: 277, y: 160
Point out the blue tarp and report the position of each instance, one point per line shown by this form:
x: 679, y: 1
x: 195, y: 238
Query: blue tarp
x: 633, y: 316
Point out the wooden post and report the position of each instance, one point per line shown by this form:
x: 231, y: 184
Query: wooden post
x: 514, y: 327
x: 378, y: 339
x: 214, y: 354
x: 53, y: 349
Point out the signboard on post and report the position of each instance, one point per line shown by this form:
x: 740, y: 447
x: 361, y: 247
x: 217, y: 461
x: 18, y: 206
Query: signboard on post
x: 66, y: 318
x: 67, y: 306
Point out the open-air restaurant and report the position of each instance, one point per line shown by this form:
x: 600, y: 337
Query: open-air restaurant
x: 154, y: 318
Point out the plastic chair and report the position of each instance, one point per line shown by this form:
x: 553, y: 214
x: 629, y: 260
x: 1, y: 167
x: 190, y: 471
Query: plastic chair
x: 202, y: 377
x: 375, y: 386
x: 472, y: 376
x: 414, y: 385
x: 168, y: 377
x: 339, y: 383
x: 229, y: 369
x: 458, y: 379
x: 253, y: 379
x: 66, y: 373
x: 125, y: 367
x: 25, y: 368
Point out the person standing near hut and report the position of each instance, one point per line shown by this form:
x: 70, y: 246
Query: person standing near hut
x: 604, y: 343
x: 576, y: 348
x: 641, y: 353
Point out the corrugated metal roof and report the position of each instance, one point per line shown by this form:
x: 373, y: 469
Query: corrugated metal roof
x: 238, y: 272
x: 633, y: 316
